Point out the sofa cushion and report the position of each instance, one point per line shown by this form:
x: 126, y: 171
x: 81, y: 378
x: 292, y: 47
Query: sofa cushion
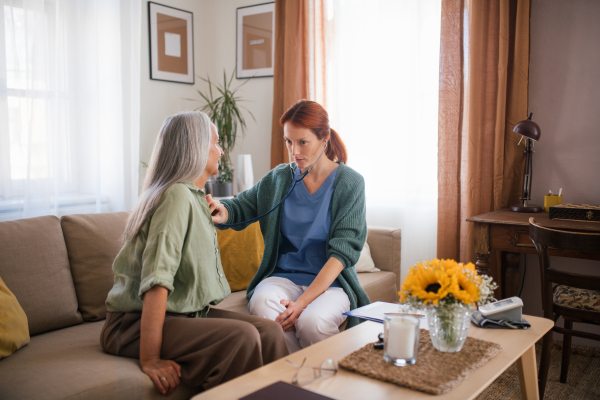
x: 379, y: 286
x: 365, y: 262
x: 385, y: 245
x: 14, y: 332
x: 236, y: 302
x: 70, y: 364
x: 241, y: 254
x: 93, y: 242
x: 35, y: 267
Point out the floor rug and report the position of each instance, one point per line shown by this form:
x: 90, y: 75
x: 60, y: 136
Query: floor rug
x: 583, y: 381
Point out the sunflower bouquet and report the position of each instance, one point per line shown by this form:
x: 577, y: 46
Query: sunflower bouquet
x: 449, y: 292
x: 444, y: 282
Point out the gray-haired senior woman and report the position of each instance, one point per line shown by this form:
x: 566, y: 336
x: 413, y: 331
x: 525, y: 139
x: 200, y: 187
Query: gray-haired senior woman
x: 169, y: 273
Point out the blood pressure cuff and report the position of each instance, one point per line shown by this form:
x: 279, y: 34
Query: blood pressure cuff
x: 482, y: 322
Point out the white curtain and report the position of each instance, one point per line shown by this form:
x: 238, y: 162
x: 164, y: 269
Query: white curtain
x: 382, y: 86
x: 69, y: 106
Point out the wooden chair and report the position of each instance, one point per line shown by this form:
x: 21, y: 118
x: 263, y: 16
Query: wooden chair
x: 575, y: 297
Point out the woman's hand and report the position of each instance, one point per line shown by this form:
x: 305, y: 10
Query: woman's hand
x: 324, y: 279
x: 164, y: 373
x: 219, y: 213
x: 289, y: 317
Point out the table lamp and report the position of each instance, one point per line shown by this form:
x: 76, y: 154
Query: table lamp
x: 530, y: 131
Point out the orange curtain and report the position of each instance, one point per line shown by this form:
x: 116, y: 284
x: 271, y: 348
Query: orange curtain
x: 291, y: 67
x: 484, y: 75
x: 322, y: 56
x: 303, y: 55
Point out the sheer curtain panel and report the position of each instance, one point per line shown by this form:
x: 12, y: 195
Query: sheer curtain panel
x: 69, y: 106
x: 382, y: 98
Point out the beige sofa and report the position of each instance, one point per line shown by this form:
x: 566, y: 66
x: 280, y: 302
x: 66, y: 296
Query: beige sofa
x: 60, y: 272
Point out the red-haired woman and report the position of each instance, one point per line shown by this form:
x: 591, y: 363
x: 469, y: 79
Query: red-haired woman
x: 306, y: 279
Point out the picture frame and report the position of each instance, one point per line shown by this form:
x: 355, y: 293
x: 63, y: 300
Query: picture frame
x: 255, y: 41
x: 171, y: 40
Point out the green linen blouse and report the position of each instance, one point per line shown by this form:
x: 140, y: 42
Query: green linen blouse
x: 176, y: 248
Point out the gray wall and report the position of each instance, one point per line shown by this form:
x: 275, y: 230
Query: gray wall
x: 564, y: 96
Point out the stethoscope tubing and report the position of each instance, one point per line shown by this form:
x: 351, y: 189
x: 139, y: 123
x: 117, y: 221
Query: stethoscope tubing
x: 292, y: 186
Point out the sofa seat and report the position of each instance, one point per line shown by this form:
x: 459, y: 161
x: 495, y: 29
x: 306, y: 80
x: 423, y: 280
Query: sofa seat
x: 380, y: 286
x: 70, y: 364
x: 55, y: 359
x: 60, y: 271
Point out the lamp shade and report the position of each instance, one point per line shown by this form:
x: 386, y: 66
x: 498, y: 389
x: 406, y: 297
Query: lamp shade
x: 529, y: 129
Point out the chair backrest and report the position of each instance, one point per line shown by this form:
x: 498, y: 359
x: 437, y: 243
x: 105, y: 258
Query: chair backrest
x: 545, y: 238
x: 585, y: 242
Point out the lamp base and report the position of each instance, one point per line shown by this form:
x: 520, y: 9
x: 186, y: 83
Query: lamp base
x: 529, y: 208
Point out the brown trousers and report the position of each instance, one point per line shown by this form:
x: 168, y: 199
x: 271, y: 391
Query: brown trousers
x: 209, y: 350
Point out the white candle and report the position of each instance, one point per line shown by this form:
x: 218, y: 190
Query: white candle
x: 401, y: 339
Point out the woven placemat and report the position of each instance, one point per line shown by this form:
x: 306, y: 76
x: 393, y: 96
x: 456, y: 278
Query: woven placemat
x: 434, y: 372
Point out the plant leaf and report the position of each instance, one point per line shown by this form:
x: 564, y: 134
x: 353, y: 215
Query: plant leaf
x: 226, y: 113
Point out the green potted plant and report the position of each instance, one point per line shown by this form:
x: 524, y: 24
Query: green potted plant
x: 223, y: 108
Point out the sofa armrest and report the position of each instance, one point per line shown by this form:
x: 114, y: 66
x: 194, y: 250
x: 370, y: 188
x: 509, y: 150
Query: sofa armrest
x: 385, y: 245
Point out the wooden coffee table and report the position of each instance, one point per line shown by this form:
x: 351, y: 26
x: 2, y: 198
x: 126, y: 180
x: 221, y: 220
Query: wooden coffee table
x: 517, y: 345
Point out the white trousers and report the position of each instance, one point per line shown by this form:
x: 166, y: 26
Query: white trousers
x: 319, y: 320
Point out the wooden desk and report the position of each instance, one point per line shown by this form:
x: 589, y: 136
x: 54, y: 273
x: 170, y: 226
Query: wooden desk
x: 517, y: 345
x: 505, y: 235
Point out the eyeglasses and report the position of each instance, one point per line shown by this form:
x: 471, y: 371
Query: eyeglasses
x: 307, y: 374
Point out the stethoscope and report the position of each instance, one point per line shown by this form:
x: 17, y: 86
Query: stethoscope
x: 292, y: 186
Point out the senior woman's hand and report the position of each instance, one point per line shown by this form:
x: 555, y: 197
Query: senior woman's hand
x: 164, y: 373
x: 219, y: 213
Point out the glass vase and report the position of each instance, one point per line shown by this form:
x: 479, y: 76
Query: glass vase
x: 448, y: 326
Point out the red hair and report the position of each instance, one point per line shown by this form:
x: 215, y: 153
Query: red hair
x: 311, y: 115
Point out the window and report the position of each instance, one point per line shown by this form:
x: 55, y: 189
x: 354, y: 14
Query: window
x: 383, y: 100
x: 68, y: 91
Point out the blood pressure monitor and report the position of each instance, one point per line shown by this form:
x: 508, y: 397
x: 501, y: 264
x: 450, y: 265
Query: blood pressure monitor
x: 510, y: 309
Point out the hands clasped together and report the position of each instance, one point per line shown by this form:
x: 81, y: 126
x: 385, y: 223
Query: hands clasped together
x: 288, y: 318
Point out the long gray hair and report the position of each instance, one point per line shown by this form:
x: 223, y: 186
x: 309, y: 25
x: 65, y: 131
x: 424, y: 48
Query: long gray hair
x: 179, y: 155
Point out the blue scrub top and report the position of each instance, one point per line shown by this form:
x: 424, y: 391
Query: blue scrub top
x: 305, y: 224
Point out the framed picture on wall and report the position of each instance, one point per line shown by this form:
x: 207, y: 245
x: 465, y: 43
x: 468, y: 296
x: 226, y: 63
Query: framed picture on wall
x: 171, y: 44
x: 255, y: 41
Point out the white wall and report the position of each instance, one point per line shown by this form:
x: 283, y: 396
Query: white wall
x: 161, y: 99
x: 258, y: 91
x: 214, y: 50
x: 564, y: 90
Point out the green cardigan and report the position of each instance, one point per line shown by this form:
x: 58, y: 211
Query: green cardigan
x: 347, y: 234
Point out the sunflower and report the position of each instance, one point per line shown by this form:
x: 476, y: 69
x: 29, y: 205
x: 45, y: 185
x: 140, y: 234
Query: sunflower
x: 465, y: 284
x: 451, y: 266
x: 427, y: 281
